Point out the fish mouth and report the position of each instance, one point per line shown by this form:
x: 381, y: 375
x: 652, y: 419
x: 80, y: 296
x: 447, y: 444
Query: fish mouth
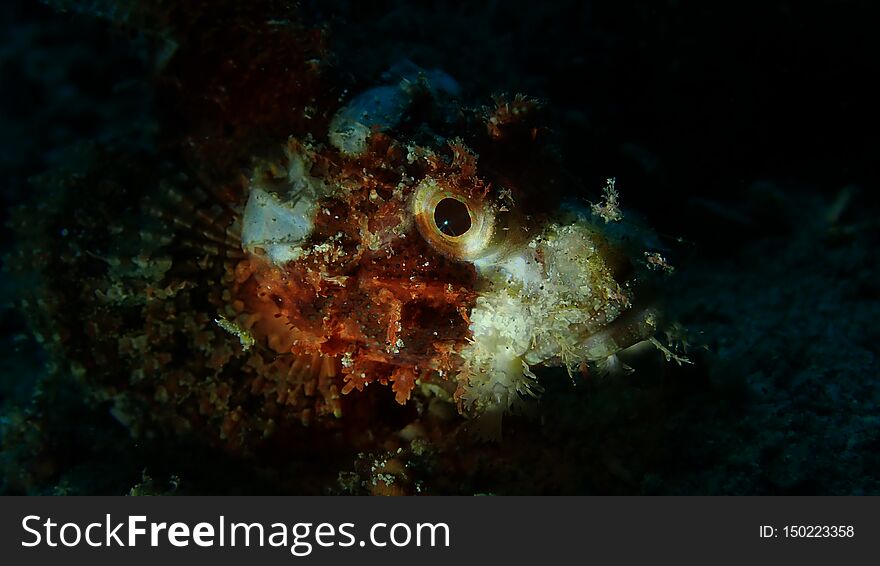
x: 562, y: 299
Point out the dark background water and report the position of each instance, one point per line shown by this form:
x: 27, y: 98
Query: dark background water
x: 745, y: 132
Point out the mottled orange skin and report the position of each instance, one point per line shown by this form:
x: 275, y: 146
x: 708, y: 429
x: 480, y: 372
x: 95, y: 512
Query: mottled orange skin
x: 390, y: 315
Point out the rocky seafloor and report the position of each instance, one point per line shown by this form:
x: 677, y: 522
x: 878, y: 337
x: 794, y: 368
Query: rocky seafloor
x: 740, y: 132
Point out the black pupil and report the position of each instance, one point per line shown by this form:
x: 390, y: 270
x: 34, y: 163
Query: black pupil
x: 451, y: 217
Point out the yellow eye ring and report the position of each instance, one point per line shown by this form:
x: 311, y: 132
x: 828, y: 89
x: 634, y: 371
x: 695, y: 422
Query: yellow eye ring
x: 456, y: 225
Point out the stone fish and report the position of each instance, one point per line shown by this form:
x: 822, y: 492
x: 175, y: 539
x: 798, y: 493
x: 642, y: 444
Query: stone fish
x: 399, y: 245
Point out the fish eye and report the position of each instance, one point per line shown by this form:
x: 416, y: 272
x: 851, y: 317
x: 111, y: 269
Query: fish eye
x: 455, y: 223
x: 452, y: 217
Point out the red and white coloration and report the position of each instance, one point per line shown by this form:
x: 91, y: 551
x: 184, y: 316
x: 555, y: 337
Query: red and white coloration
x: 402, y: 265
